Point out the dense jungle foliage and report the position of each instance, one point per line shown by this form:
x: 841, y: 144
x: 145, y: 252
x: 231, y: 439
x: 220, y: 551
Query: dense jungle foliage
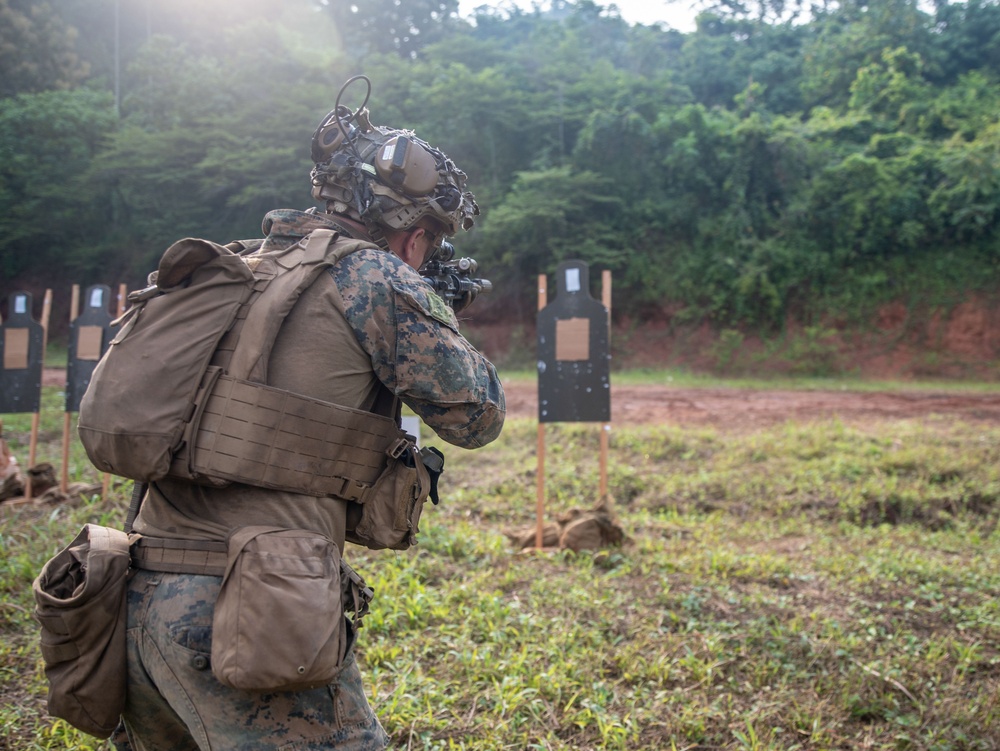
x: 781, y: 160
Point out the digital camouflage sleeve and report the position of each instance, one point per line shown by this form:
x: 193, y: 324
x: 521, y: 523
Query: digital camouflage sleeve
x: 417, y: 351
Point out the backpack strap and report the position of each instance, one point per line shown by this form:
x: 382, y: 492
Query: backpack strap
x: 138, y: 492
x: 245, y: 247
x: 301, y: 267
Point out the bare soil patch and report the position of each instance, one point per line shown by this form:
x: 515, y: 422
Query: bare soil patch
x: 748, y: 408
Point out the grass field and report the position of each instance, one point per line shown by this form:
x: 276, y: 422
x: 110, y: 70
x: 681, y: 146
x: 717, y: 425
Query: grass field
x: 803, y: 586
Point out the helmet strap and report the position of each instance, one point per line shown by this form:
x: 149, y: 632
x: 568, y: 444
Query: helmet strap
x: 343, y: 229
x: 377, y: 235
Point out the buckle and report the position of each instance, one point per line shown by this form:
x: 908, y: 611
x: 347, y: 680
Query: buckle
x: 399, y: 447
x: 352, y: 490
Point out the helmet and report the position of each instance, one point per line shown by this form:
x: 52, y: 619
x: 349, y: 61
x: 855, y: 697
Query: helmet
x: 384, y: 177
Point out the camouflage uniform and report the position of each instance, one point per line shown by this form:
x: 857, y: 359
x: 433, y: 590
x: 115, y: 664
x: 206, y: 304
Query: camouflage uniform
x: 176, y: 704
x: 371, y: 323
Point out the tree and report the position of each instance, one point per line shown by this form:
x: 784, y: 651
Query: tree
x: 967, y: 38
x: 48, y: 208
x: 727, y: 54
x: 548, y: 217
x: 855, y: 35
x: 966, y: 202
x: 765, y: 11
x: 892, y: 89
x: 37, y: 49
x: 211, y: 142
x: 404, y: 28
x: 967, y: 107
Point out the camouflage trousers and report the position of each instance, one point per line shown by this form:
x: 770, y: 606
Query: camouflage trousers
x: 174, y: 703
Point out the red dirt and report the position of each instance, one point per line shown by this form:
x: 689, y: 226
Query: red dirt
x: 53, y: 377
x: 747, y: 408
x: 903, y: 344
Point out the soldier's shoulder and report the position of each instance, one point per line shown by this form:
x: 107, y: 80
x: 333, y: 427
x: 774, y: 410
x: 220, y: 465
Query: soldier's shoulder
x: 417, y: 295
x: 363, y: 267
x: 371, y: 264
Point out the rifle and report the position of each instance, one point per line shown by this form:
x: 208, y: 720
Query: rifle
x: 453, y: 279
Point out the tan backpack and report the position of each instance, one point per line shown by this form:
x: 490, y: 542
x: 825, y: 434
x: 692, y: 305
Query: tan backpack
x: 163, y: 402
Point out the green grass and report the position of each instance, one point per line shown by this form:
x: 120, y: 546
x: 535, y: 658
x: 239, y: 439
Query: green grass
x: 798, y: 587
x: 56, y: 354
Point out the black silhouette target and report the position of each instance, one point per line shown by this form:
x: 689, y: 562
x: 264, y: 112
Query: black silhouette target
x: 573, y: 354
x: 21, y: 342
x: 89, y: 336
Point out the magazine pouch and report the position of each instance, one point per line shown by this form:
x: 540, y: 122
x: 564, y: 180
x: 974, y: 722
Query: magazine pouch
x: 388, y: 514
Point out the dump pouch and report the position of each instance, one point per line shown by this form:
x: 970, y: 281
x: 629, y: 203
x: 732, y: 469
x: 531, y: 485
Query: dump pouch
x: 80, y: 598
x: 279, y: 619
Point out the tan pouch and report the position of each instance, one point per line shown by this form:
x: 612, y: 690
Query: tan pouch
x: 279, y: 619
x: 80, y: 598
x: 388, y: 513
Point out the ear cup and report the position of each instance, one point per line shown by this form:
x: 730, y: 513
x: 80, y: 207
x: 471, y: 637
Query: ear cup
x: 407, y: 166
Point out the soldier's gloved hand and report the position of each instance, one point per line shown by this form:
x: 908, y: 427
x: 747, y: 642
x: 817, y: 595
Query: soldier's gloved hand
x: 460, y: 303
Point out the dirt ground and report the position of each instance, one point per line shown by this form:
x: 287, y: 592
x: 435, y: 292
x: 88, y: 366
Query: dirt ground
x: 748, y: 409
x: 904, y: 344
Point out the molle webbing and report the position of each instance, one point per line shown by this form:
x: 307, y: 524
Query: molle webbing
x: 271, y: 438
x: 202, y: 557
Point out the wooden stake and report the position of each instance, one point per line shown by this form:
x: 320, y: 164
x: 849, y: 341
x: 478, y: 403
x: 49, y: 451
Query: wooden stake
x: 46, y: 311
x: 64, y: 477
x: 32, y: 446
x: 606, y: 427
x: 540, y: 479
x: 36, y: 418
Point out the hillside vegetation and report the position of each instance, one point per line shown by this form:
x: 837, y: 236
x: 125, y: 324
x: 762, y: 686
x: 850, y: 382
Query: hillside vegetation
x: 780, y: 163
